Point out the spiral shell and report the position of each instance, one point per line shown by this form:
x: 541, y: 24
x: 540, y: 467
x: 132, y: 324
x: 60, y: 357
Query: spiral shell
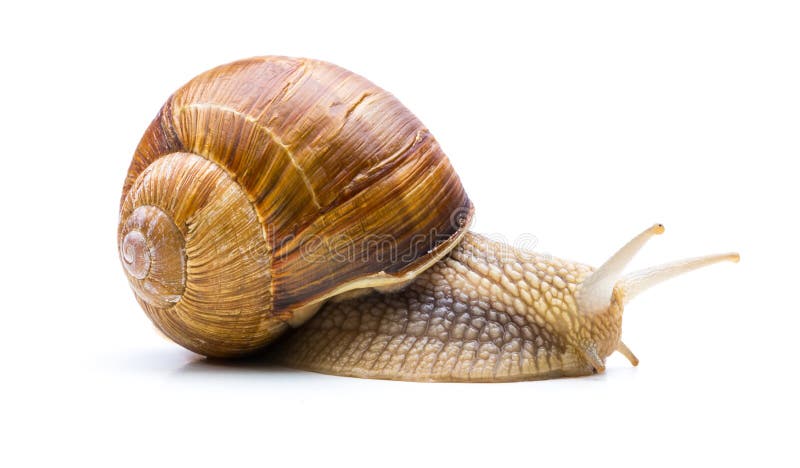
x: 266, y: 186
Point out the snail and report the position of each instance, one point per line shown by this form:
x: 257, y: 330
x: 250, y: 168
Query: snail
x: 288, y: 200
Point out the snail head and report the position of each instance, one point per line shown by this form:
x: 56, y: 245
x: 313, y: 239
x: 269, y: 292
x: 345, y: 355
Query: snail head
x: 602, y: 295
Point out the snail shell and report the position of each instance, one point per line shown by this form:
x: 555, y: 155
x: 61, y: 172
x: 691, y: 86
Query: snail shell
x: 266, y: 186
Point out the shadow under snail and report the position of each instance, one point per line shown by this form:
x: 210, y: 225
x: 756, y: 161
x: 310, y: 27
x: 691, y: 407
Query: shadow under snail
x: 276, y: 192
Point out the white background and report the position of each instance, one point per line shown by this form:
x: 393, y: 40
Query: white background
x: 579, y: 123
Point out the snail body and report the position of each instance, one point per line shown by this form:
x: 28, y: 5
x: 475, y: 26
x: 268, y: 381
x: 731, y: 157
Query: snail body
x: 274, y: 193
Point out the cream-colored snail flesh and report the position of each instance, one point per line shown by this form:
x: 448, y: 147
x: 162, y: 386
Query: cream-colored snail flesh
x: 276, y: 195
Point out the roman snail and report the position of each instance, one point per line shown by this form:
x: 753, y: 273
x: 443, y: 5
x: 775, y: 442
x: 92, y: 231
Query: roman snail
x: 277, y: 193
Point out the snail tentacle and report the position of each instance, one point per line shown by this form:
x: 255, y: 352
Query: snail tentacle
x: 632, y: 284
x: 625, y: 351
x: 595, y: 291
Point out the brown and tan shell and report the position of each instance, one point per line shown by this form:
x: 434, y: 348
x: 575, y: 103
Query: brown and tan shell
x: 268, y: 185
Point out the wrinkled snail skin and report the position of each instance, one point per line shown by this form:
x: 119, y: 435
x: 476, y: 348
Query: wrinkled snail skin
x: 485, y: 313
x: 257, y: 176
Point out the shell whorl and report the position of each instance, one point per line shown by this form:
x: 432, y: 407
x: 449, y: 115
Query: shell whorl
x: 196, y: 257
x: 251, y: 179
